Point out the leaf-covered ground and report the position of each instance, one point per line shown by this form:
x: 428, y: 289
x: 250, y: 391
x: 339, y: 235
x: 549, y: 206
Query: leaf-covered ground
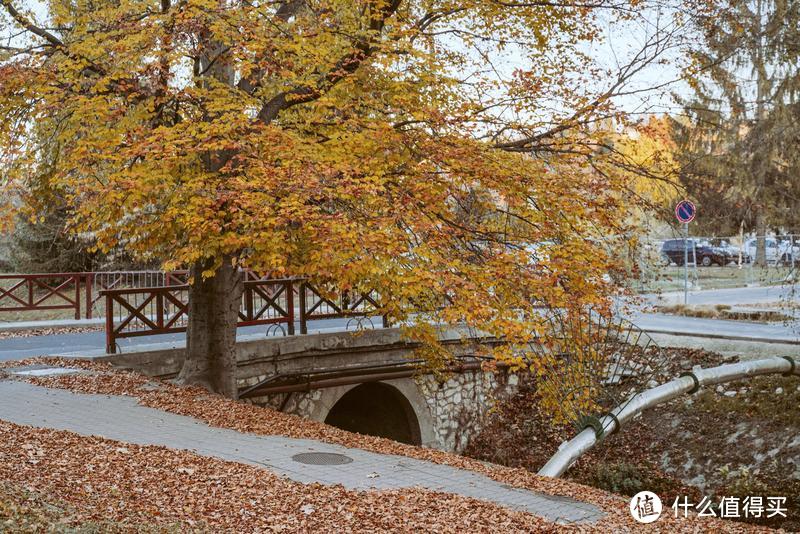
x: 739, y: 439
x: 154, y: 487
x: 50, y: 331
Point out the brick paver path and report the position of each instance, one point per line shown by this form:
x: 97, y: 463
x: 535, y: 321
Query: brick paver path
x: 121, y: 418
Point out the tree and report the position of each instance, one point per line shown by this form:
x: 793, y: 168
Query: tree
x: 648, y: 153
x: 746, y: 78
x: 358, y: 142
x: 41, y: 241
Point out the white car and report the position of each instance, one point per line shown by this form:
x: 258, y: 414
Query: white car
x: 777, y: 251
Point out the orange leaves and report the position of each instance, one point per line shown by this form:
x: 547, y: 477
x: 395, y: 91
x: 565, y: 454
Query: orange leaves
x: 390, y: 159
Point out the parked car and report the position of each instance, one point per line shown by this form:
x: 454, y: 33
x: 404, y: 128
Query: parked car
x: 700, y: 250
x: 732, y: 250
x: 778, y: 251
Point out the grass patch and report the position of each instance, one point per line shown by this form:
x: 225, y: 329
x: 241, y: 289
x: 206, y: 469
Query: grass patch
x: 629, y: 478
x: 760, y: 401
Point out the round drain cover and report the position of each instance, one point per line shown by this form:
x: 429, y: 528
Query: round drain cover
x: 321, y: 458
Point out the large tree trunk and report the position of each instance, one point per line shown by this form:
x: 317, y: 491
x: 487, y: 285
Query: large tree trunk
x: 211, y: 336
x: 213, y: 302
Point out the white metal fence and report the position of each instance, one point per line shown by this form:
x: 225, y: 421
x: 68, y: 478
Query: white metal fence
x: 714, y: 262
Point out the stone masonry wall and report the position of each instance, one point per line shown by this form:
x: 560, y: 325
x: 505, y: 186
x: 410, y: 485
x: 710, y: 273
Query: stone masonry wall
x: 460, y: 405
x: 456, y: 408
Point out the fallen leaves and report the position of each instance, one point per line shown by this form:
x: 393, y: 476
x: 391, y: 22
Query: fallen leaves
x: 50, y: 331
x: 133, y: 482
x: 141, y: 486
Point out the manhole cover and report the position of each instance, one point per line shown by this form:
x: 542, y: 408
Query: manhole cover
x: 321, y: 458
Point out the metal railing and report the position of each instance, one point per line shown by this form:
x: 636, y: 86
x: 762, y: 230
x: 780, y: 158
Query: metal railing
x: 716, y: 262
x: 103, y: 280
x: 148, y: 311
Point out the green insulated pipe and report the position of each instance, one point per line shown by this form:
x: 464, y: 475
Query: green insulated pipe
x: 689, y: 382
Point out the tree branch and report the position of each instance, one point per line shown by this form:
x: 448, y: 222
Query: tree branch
x: 30, y: 26
x: 343, y: 68
x: 285, y: 12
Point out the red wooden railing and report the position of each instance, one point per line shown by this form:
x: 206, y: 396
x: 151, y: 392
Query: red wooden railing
x: 152, y: 311
x: 318, y: 304
x: 75, y: 291
x: 57, y: 291
x: 160, y: 309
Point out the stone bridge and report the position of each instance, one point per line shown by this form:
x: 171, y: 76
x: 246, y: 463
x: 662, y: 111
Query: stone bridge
x: 366, y: 382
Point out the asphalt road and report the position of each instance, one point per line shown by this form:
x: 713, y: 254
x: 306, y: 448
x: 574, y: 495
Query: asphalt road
x: 668, y: 324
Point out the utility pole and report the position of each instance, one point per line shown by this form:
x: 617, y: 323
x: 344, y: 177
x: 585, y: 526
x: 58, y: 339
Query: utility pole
x: 685, y: 212
x: 686, y: 263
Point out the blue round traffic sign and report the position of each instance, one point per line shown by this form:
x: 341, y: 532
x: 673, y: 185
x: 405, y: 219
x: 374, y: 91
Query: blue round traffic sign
x: 685, y: 211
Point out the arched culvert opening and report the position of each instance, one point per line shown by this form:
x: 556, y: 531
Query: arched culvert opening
x: 376, y: 409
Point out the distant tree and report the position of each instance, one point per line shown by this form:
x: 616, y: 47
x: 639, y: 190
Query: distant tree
x: 707, y: 181
x: 45, y: 245
x: 361, y: 142
x: 649, y: 154
x: 737, y: 154
x: 42, y: 240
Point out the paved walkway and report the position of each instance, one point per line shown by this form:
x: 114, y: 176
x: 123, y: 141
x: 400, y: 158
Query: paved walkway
x: 777, y: 332
x: 52, y: 323
x: 122, y: 419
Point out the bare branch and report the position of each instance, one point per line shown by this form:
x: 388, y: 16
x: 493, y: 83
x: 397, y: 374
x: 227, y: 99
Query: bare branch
x: 30, y: 26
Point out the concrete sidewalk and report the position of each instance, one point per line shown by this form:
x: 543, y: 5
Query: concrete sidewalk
x: 654, y: 323
x: 122, y: 419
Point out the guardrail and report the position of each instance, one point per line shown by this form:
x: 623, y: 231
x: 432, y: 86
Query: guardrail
x: 149, y: 311
x: 79, y: 291
x: 57, y: 291
x: 714, y: 262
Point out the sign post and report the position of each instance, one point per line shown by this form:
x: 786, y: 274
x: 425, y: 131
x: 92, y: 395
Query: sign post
x: 685, y: 212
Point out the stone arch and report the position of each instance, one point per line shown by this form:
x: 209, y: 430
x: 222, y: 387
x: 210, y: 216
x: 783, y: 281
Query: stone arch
x: 400, y: 396
x: 376, y: 409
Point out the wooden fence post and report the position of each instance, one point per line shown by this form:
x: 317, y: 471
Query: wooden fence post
x: 76, y: 278
x: 303, y: 325
x: 88, y: 279
x: 289, y: 288
x: 111, y: 345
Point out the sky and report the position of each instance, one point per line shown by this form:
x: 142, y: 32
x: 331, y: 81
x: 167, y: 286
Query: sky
x: 657, y: 82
